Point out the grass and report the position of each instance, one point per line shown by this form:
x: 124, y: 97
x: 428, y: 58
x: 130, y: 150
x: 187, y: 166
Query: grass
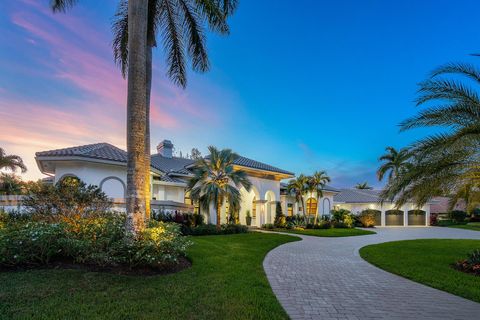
x: 332, y: 232
x: 428, y: 262
x: 469, y: 226
x: 226, y: 281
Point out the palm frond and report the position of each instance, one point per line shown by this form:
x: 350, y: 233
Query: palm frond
x: 62, y: 5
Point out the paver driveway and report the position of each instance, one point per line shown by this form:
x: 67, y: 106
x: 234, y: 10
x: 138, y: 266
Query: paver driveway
x: 325, y: 278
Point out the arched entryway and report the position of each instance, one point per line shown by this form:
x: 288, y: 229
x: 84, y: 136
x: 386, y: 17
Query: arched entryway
x: 250, y: 206
x: 327, y: 207
x: 113, y: 187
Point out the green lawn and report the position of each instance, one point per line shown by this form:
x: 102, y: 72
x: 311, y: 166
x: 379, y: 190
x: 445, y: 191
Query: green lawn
x: 333, y: 232
x: 469, y: 226
x: 428, y: 262
x: 226, y: 281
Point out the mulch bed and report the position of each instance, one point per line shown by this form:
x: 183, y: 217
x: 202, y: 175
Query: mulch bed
x: 183, y: 263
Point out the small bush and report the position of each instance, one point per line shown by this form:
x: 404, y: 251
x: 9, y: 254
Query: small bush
x: 211, y: 229
x: 268, y: 226
x: 280, y: 219
x: 457, y: 215
x: 324, y: 224
x: 367, y: 218
x: 471, y: 264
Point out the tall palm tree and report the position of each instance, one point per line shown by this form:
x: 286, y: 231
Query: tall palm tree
x: 139, y: 21
x: 363, y: 186
x: 442, y: 163
x: 316, y: 183
x: 11, y: 162
x: 215, y: 181
x: 299, y: 187
x: 394, y: 163
x: 181, y: 24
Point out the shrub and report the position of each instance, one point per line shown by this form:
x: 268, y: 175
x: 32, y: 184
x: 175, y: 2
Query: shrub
x: 32, y: 243
x: 69, y: 200
x: 457, y: 215
x: 339, y: 225
x: 100, y: 240
x: 280, y: 218
x: 471, y: 264
x: 234, y: 228
x: 339, y: 214
x: 434, y: 219
x: 367, y: 218
x: 324, y: 224
x: 268, y: 226
x: 211, y: 229
x: 342, y: 218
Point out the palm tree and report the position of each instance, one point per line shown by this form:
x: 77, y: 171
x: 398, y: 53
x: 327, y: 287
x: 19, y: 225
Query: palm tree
x: 446, y: 162
x: 363, y: 186
x: 11, y: 162
x: 298, y: 187
x: 180, y: 23
x: 316, y: 183
x: 394, y: 163
x: 215, y: 181
x: 139, y: 20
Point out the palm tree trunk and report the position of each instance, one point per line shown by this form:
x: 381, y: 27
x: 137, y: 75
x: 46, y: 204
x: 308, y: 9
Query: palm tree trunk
x: 219, y: 210
x: 148, y: 192
x: 316, y: 213
x: 136, y: 114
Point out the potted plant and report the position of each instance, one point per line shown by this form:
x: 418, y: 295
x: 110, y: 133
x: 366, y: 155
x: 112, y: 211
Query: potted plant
x: 248, y: 218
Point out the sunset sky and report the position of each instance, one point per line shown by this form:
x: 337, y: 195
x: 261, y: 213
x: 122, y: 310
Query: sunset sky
x: 302, y: 85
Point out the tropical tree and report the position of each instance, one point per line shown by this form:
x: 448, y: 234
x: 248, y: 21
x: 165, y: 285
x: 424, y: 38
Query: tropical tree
x: 316, y: 183
x: 299, y: 187
x: 363, y: 186
x: 394, y: 163
x: 442, y: 163
x: 11, y: 162
x: 215, y: 181
x: 181, y: 25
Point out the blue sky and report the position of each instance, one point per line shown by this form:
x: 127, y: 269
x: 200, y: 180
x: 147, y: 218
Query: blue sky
x: 303, y: 85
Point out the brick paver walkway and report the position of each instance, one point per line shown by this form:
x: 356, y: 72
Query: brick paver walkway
x: 325, y: 278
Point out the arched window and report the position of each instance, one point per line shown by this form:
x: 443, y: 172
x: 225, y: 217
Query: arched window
x: 254, y: 208
x: 312, y: 206
x: 326, y: 206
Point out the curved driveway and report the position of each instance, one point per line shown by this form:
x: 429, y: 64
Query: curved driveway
x: 325, y: 278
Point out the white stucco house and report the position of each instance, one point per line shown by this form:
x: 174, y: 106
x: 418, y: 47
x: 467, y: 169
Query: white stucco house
x: 104, y: 165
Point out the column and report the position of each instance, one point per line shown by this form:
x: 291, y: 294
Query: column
x: 382, y: 217
x: 405, y: 216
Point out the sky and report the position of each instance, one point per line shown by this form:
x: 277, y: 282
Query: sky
x: 304, y: 85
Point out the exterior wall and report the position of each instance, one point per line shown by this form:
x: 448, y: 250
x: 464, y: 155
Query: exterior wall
x: 357, y: 208
x: 111, y: 178
x: 325, y: 203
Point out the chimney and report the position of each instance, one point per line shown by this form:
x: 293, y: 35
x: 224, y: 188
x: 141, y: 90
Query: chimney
x: 165, y: 148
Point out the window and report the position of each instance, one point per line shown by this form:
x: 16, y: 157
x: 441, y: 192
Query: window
x: 312, y: 206
x: 326, y: 206
x: 254, y: 208
x: 290, y: 209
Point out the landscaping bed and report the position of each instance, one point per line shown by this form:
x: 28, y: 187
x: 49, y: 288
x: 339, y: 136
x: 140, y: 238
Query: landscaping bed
x: 226, y: 281
x: 431, y: 262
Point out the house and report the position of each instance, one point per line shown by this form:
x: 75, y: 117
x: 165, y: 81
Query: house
x: 357, y: 200
x: 104, y: 165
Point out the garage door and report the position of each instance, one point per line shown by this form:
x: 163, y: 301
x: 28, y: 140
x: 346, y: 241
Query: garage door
x: 394, y: 218
x: 416, y: 217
